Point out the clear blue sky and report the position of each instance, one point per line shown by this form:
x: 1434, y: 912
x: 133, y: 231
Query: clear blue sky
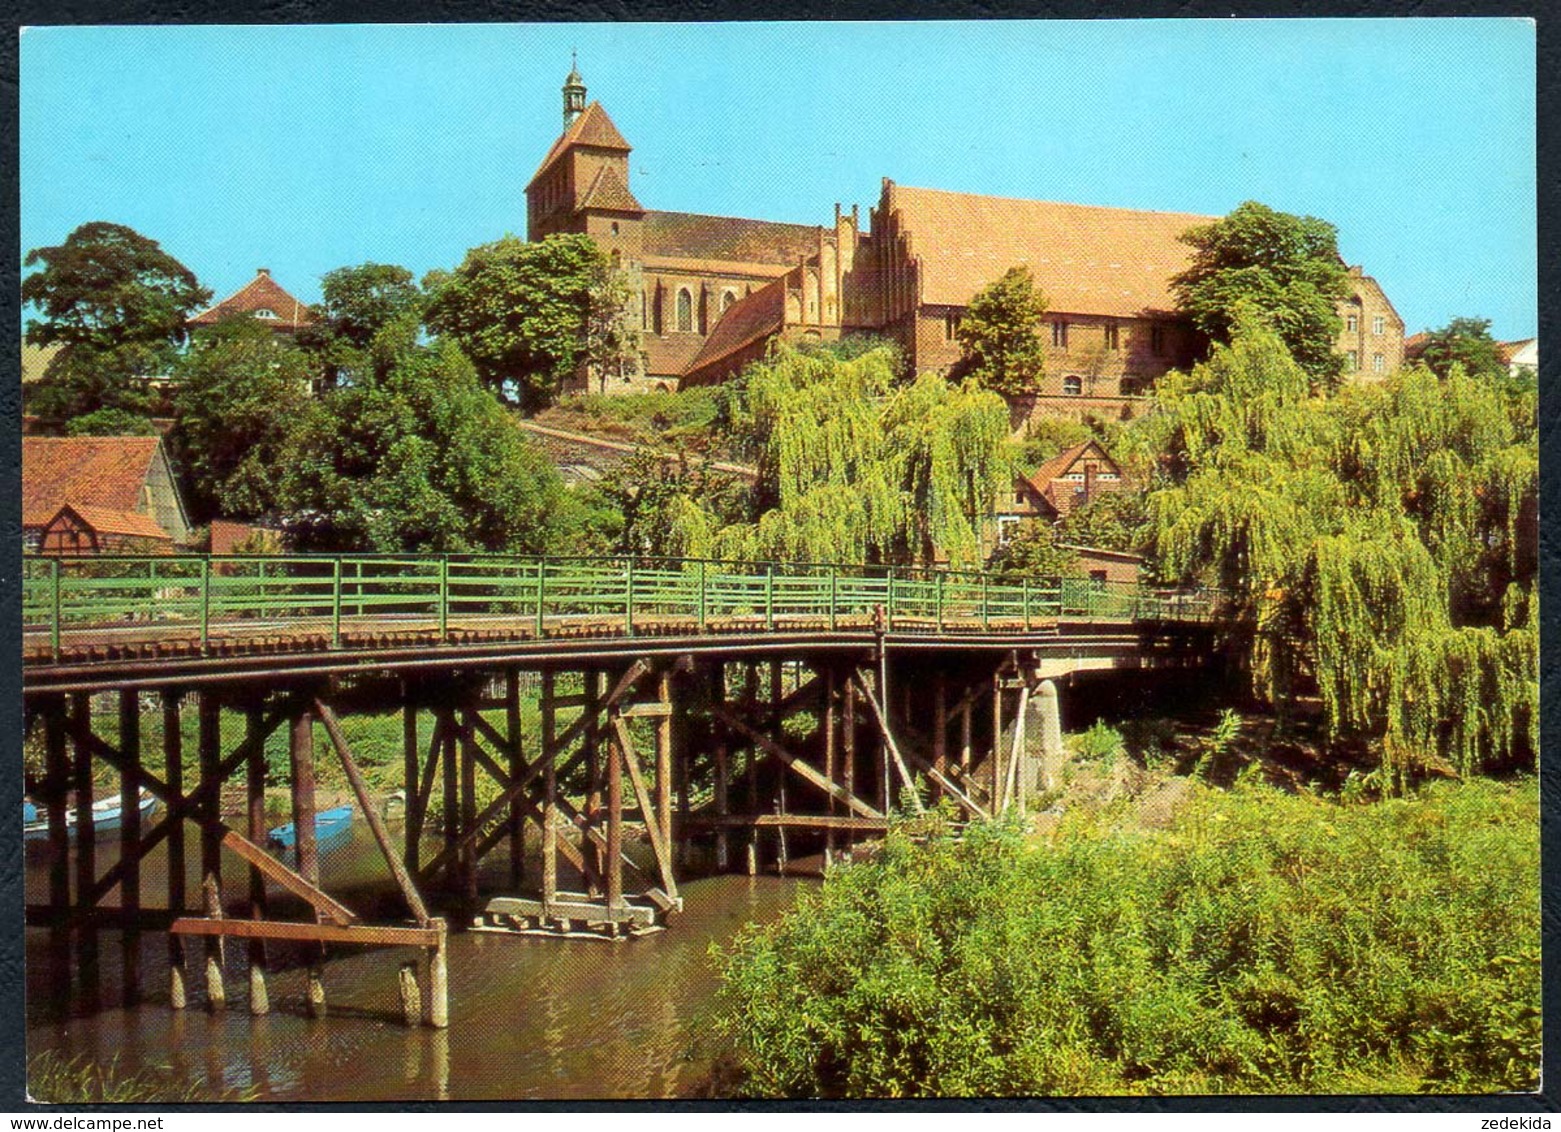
x: 308, y: 148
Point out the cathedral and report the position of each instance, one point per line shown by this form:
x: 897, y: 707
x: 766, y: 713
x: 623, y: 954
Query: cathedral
x: 710, y: 293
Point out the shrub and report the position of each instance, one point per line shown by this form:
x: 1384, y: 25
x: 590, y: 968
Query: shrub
x: 1268, y: 943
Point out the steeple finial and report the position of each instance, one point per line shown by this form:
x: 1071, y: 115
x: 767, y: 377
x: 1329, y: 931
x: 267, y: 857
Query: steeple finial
x: 574, y: 92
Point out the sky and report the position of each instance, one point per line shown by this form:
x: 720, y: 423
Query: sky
x: 306, y: 148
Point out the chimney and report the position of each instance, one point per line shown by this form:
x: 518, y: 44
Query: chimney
x: 266, y: 271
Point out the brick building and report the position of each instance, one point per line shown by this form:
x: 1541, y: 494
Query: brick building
x: 712, y: 292
x: 118, y: 486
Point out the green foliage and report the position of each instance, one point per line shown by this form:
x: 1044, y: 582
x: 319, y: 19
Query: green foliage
x: 1381, y: 545
x: 108, y: 286
x: 1285, y: 268
x: 356, y: 304
x: 418, y: 456
x: 653, y: 416
x: 853, y: 467
x: 110, y: 422
x: 1000, y: 334
x: 1032, y: 552
x: 82, y: 380
x: 1269, y: 943
x: 531, y: 315
x: 1100, y: 743
x: 239, y: 391
x: 1111, y: 520
x: 55, y: 1079
x: 1464, y: 342
x: 672, y: 508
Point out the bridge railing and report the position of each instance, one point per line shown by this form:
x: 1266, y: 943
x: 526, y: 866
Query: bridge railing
x: 71, y: 602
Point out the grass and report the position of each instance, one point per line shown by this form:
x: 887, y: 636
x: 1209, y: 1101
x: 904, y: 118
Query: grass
x: 52, y: 1079
x: 1264, y: 942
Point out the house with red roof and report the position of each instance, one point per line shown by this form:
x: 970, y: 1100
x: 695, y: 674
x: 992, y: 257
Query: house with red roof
x: 262, y: 298
x: 1067, y: 481
x: 97, y: 490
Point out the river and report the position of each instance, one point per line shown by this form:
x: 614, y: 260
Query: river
x: 529, y: 1017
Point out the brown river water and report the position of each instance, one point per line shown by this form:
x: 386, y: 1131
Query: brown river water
x: 529, y: 1017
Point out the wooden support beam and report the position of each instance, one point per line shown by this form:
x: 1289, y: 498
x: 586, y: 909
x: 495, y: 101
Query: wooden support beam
x: 848, y: 739
x: 589, y: 737
x: 831, y: 746
x: 255, y: 788
x: 995, y: 775
x: 130, y: 840
x: 274, y: 870
x: 173, y: 772
x: 614, y: 861
x: 663, y: 816
x: 450, y: 795
x: 844, y: 822
x: 300, y: 752
x: 549, y: 752
x: 940, y: 722
x: 723, y: 769
x: 935, y: 775
x: 404, y: 880
x: 86, y: 851
x: 797, y: 765
x: 468, y: 743
x: 659, y: 846
x: 367, y: 935
x: 56, y: 800
x: 893, y: 747
x: 410, y: 766
x: 517, y: 764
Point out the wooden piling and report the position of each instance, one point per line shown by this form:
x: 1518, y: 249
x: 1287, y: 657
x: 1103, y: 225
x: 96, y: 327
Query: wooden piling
x: 831, y: 743
x: 409, y: 759
x: 216, y: 992
x: 438, y: 980
x: 995, y: 775
x: 173, y: 774
x: 965, y: 729
x: 663, y: 816
x: 940, y: 724
x: 469, y: 859
x: 86, y: 853
x: 129, y: 842
x: 593, y: 777
x: 300, y: 752
x: 615, y: 835
x: 452, y: 786
x: 255, y: 793
x: 516, y: 763
x: 411, y: 997
x: 550, y: 799
x: 722, y: 768
x: 56, y: 801
x: 848, y: 738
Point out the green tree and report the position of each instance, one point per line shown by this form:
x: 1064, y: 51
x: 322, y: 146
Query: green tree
x: 110, y: 422
x: 239, y: 390
x: 1286, y: 267
x: 1032, y: 552
x: 531, y: 315
x: 1465, y: 342
x: 1380, y: 545
x: 83, y: 380
x: 107, y: 286
x: 1112, y: 520
x: 1000, y: 334
x: 418, y: 456
x: 356, y: 304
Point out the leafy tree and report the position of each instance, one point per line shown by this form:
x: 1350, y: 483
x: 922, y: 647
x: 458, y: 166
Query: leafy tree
x: 110, y: 422
x: 1032, y: 552
x: 1000, y: 334
x: 108, y: 286
x: 82, y: 379
x: 1112, y: 520
x: 356, y: 304
x: 419, y: 456
x: 1286, y: 267
x: 1465, y: 342
x: 531, y: 315
x: 1381, y: 545
x: 239, y: 391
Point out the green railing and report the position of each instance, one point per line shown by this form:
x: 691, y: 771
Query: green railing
x: 76, y: 601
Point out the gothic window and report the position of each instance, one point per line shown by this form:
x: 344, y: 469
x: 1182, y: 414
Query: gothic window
x: 685, y: 309
x: 1111, y: 336
x: 1060, y: 335
x: 1073, y: 386
x: 727, y: 299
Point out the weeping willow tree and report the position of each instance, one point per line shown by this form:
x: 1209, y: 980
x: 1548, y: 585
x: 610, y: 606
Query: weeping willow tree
x: 855, y: 467
x: 1380, y: 545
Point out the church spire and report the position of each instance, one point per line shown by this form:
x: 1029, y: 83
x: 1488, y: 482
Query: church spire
x: 574, y: 92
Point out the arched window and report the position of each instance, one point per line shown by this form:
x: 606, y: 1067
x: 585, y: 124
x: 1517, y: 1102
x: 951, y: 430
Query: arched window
x: 685, y: 309
x: 727, y: 299
x: 1073, y: 386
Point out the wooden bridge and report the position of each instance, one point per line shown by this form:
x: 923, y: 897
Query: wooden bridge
x: 683, y: 709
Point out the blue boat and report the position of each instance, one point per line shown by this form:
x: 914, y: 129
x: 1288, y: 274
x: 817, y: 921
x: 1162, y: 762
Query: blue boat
x: 331, y: 827
x: 107, y: 815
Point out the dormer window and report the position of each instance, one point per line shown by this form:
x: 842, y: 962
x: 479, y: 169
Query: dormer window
x: 265, y: 312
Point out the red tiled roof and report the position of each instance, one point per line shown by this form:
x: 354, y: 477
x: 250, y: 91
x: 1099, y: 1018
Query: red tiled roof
x: 593, y: 128
x: 260, y: 293
x: 689, y: 235
x: 671, y: 353
x: 749, y: 319
x: 1086, y: 259
x: 609, y: 192
x: 97, y: 471
x: 108, y: 521
x: 1415, y: 345
x: 227, y: 534
x: 1062, y: 463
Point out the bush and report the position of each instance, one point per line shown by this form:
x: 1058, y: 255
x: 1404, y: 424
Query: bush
x: 1268, y: 943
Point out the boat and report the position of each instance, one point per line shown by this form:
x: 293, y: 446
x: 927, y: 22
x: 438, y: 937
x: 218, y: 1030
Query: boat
x: 330, y: 828
x: 107, y: 814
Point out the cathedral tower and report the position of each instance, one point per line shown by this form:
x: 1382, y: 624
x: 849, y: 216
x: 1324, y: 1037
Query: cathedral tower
x: 574, y: 93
